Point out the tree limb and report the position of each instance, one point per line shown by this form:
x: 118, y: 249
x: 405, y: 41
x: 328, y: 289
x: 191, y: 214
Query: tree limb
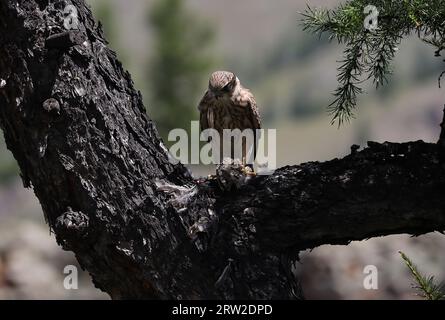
x: 385, y: 189
x: 142, y: 226
x: 441, y: 141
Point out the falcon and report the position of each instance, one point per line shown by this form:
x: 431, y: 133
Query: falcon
x: 228, y: 105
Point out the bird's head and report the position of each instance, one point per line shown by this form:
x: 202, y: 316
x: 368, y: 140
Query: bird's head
x: 223, y: 83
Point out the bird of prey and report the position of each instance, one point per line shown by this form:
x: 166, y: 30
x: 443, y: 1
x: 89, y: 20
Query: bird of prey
x: 228, y: 105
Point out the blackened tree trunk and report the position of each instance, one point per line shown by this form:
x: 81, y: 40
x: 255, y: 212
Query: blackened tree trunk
x: 142, y: 226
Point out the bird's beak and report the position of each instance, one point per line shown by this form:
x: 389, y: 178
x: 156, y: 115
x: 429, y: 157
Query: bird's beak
x: 218, y: 95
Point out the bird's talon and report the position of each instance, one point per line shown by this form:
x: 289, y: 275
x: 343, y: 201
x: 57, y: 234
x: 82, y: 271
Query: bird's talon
x: 248, y: 171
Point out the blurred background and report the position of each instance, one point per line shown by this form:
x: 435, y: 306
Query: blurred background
x: 170, y: 47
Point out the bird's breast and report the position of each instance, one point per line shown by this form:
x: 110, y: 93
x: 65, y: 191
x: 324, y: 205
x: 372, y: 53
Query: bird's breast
x: 226, y: 114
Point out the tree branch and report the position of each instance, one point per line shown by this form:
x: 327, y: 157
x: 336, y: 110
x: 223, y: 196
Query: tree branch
x: 441, y: 141
x: 143, y: 227
x: 385, y: 189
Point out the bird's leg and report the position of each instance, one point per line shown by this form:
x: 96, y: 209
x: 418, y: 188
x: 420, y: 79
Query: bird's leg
x: 247, y: 169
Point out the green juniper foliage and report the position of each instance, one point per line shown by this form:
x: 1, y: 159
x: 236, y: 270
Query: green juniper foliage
x: 368, y: 53
x: 426, y: 286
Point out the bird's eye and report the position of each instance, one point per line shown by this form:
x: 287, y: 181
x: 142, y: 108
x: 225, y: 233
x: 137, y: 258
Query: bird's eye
x: 227, y: 88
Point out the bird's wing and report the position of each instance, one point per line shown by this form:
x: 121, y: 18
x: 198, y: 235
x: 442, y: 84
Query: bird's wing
x: 202, y: 107
x: 255, y: 114
x: 247, y: 100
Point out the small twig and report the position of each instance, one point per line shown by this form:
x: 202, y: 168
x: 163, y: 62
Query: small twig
x: 65, y: 40
x: 440, y: 78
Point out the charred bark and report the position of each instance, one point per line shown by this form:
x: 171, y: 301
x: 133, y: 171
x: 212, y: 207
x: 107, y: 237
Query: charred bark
x: 142, y: 226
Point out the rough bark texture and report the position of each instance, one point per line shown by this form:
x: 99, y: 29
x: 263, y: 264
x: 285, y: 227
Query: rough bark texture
x: 143, y: 227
